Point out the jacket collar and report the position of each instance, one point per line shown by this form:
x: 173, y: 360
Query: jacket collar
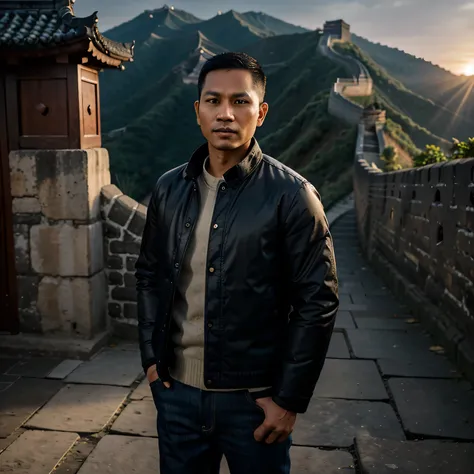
x: 236, y: 173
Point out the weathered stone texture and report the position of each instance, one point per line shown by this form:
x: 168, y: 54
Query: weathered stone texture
x: 417, y: 228
x: 23, y: 174
x: 26, y: 205
x: 67, y: 250
x: 63, y: 303
x: 21, y: 235
x: 69, y: 182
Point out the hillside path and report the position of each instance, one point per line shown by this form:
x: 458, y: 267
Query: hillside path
x: 384, y: 404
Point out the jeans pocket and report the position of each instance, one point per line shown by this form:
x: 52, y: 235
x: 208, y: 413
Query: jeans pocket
x: 251, y: 400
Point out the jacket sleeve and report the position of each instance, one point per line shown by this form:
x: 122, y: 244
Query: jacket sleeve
x: 147, y: 280
x: 312, y: 277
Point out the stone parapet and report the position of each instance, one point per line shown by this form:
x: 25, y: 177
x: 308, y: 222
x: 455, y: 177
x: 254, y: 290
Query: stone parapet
x: 59, y: 240
x: 123, y: 221
x: 417, y: 227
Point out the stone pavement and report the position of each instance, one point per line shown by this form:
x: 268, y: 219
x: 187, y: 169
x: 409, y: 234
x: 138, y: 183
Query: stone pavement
x: 387, y: 401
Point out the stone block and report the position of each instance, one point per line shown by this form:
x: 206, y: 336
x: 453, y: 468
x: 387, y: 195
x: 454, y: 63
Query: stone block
x: 131, y: 261
x: 21, y: 400
x: 130, y: 280
x: 338, y: 347
x: 27, y: 219
x: 115, y: 262
x: 350, y: 379
x: 69, y: 182
x: 335, y: 423
x: 109, y: 367
x: 80, y: 408
x: 115, y: 310
x: 116, y: 454
x: 138, y: 418
x: 21, y: 236
x: 36, y: 367
x: 137, y: 224
x: 122, y: 209
x: 430, y: 407
x: 26, y: 205
x: 130, y: 311
x: 36, y: 452
x: 75, y: 306
x: 66, y: 250
x: 109, y: 193
x: 23, y: 173
x: 62, y: 370
x: 30, y: 319
x: 124, y: 294
x: 383, y: 456
x: 118, y: 247
x: 112, y: 231
x: 115, y: 278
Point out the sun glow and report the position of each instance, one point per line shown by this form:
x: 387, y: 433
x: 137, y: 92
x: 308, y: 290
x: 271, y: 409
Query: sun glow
x: 469, y: 69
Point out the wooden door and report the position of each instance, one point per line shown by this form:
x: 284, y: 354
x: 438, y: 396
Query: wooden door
x: 9, y: 321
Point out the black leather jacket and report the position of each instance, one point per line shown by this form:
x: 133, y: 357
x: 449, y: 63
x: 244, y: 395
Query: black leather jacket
x: 271, y: 286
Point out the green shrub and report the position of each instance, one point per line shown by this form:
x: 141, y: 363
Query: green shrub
x: 432, y: 154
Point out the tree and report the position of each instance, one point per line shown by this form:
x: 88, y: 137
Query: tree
x: 390, y: 157
x: 431, y: 154
x: 462, y: 149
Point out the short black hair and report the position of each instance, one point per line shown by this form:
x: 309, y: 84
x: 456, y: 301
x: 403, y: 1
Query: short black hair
x: 233, y: 61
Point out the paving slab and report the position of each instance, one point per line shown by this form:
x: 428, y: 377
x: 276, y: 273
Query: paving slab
x: 430, y: 366
x: 64, y: 368
x: 338, y: 347
x: 344, y: 320
x: 375, y: 344
x: 351, y: 380
x: 142, y: 392
x: 38, y: 367
x: 22, y: 399
x: 115, y: 454
x: 382, y: 456
x: 388, y: 323
x: 335, y: 423
x: 137, y: 418
x: 318, y: 461
x: 36, y: 452
x: 314, y: 461
x: 80, y: 408
x: 431, y: 407
x: 110, y: 367
x: 6, y: 363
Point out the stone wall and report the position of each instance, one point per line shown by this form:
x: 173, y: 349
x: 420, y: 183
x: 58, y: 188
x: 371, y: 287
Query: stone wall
x: 58, y: 240
x: 417, y: 228
x: 124, y: 221
x: 343, y: 108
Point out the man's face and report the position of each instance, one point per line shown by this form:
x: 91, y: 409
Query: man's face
x: 229, y: 110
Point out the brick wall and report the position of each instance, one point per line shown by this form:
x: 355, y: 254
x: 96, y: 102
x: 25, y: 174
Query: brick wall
x: 123, y: 221
x: 417, y: 228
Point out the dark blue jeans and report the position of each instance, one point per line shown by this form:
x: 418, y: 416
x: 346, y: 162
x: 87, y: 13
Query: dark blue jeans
x: 196, y: 428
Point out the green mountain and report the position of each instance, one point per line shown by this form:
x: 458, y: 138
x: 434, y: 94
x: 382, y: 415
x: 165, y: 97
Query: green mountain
x: 148, y: 115
x: 454, y: 95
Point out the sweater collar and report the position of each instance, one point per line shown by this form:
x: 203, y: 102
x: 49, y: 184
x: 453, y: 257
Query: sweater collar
x: 237, y: 173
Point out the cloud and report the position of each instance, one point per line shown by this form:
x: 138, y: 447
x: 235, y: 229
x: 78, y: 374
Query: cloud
x: 467, y: 6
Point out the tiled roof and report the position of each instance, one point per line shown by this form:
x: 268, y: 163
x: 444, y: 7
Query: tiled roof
x: 43, y: 28
x: 38, y: 28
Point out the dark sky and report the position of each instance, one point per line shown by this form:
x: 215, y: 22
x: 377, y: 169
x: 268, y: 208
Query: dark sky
x: 441, y: 31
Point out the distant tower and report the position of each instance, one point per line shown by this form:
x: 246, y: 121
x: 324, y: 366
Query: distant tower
x: 338, y: 28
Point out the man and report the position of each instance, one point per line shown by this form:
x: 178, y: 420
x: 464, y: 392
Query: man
x: 237, y: 289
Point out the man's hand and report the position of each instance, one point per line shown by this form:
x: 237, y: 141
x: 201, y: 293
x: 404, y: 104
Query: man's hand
x: 152, y: 375
x: 278, y: 424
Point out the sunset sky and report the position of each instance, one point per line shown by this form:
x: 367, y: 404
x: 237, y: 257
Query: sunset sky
x: 438, y: 30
